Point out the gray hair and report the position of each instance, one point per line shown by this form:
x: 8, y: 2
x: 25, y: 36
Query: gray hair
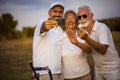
x: 85, y: 6
x: 70, y: 11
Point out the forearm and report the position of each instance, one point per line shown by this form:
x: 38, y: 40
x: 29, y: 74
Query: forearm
x: 43, y: 28
x: 101, y: 48
x: 85, y: 47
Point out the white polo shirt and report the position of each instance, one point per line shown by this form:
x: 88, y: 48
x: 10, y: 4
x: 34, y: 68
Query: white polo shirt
x: 74, y: 62
x: 111, y: 60
x: 47, y: 49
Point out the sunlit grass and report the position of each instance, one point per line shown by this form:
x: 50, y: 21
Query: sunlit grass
x: 116, y: 37
x: 15, y: 54
x: 14, y: 57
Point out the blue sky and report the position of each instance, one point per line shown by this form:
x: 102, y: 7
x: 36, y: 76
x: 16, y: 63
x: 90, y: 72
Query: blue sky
x: 29, y: 12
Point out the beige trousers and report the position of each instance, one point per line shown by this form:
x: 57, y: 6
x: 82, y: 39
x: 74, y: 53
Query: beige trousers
x: 85, y: 77
x: 55, y: 77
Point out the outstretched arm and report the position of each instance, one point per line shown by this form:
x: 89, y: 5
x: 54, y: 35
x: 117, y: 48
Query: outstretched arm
x: 47, y: 25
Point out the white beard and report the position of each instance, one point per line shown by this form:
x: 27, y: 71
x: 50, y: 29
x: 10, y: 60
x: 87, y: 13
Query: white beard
x: 86, y: 23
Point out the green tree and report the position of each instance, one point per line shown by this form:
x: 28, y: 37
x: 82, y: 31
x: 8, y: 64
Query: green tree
x: 7, y: 26
x: 28, y: 31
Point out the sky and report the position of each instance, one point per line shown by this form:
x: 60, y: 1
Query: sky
x: 29, y: 12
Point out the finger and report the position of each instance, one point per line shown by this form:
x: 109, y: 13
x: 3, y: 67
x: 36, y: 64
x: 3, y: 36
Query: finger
x: 81, y: 29
x: 55, y: 23
x: 79, y: 33
x: 50, y: 18
x: 68, y: 32
x: 51, y: 23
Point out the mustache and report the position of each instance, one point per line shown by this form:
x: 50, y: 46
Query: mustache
x: 83, y: 21
x: 57, y: 17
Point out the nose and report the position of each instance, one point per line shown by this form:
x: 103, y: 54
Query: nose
x: 82, y: 18
x: 58, y: 14
x: 71, y: 20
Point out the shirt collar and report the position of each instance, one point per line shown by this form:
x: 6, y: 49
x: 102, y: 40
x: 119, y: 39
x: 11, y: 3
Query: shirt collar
x: 65, y: 35
x: 95, y: 26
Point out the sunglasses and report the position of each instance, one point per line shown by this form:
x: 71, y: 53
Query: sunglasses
x: 84, y: 16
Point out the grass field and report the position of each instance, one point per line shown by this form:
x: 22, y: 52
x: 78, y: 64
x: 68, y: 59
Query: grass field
x: 15, y: 54
x: 14, y: 57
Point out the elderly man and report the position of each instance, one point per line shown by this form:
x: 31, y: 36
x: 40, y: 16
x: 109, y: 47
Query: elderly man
x: 98, y: 35
x: 47, y: 43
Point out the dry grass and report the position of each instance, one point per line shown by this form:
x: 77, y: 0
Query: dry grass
x: 14, y: 57
x: 15, y: 54
x: 116, y: 37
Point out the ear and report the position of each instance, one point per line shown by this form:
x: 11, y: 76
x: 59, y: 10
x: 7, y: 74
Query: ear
x: 92, y: 15
x: 49, y: 13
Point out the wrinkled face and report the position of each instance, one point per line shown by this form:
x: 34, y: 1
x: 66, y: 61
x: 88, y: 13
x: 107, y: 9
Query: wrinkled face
x: 85, y: 17
x: 56, y: 12
x: 70, y: 20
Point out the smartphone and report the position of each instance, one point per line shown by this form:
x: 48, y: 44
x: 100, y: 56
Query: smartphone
x: 61, y: 22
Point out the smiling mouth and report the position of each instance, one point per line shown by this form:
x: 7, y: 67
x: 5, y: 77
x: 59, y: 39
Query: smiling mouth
x: 71, y: 23
x: 82, y: 22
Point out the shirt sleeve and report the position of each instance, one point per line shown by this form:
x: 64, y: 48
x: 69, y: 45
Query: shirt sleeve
x: 37, y: 36
x: 103, y: 36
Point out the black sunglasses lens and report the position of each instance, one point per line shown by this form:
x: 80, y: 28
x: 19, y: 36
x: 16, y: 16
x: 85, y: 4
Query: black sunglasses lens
x: 79, y: 17
x: 84, y: 16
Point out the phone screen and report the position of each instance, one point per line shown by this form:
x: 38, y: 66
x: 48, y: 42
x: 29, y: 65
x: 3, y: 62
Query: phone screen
x: 61, y: 22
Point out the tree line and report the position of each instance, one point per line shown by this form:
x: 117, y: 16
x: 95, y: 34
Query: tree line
x: 112, y: 23
x: 8, y: 27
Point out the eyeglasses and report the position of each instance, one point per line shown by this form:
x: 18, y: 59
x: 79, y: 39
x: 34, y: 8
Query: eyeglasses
x: 84, y: 16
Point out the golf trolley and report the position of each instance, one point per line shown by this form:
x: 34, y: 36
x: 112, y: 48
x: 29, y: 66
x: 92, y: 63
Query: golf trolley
x: 37, y: 75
